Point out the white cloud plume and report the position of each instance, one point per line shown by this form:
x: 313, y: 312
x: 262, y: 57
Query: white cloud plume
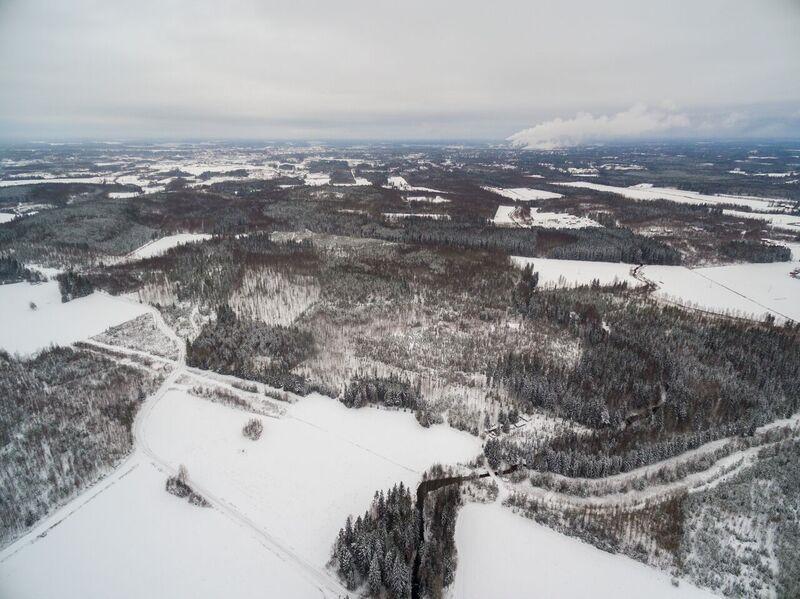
x: 638, y: 121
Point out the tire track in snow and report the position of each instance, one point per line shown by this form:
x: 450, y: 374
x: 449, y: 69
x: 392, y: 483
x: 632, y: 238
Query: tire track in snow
x: 327, y: 586
x: 40, y: 531
x: 319, y: 578
x: 354, y: 444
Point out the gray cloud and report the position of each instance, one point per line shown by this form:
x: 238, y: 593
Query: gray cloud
x: 415, y: 69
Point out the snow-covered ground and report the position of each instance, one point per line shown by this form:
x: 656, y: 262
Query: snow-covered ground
x: 751, y: 290
x: 277, y: 503
x: 517, y: 216
x: 586, y: 172
x: 790, y: 222
x: 400, y: 183
x: 501, y: 554
x: 309, y: 470
x: 141, y: 334
x: 524, y: 194
x: 770, y: 286
x: 577, y: 272
x: 6, y: 217
x: 130, y: 539
x: 505, y: 216
x: 317, y: 179
x: 396, y: 215
x: 429, y: 199
x: 25, y: 330
x: 646, y: 191
x: 746, y: 289
x: 160, y: 246
x: 51, y: 179
x: 200, y: 167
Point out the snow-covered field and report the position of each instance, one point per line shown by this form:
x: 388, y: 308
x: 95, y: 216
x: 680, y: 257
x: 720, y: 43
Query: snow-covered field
x: 752, y: 290
x: 309, y: 470
x: 515, y: 216
x: 501, y: 554
x: 577, y: 272
x: 25, y: 330
x: 747, y: 289
x: 160, y: 246
x: 317, y: 179
x: 6, y: 217
x: 278, y: 502
x: 130, y: 539
x: 400, y: 183
x: 50, y: 179
x: 790, y: 222
x: 645, y: 191
x: 585, y: 172
x: 200, y: 167
x: 524, y: 194
x: 505, y: 216
x: 396, y: 215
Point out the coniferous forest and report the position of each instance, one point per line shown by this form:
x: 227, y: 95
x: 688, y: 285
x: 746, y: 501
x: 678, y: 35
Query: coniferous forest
x: 598, y: 404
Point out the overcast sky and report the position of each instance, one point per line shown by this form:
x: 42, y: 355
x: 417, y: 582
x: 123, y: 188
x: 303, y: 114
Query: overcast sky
x: 399, y: 70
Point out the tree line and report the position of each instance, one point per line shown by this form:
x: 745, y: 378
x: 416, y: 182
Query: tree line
x: 388, y: 552
x: 651, y: 381
x: 252, y: 350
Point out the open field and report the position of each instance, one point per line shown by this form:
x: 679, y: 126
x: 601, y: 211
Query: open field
x: 321, y: 452
x: 128, y: 538
x: 525, y: 557
x: 320, y: 323
x: 25, y: 330
x: 743, y: 289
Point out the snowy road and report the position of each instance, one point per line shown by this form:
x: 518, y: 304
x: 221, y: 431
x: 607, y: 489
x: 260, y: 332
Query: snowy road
x: 325, y: 584
x: 262, y: 488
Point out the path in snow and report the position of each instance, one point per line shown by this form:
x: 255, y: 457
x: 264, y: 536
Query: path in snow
x: 16, y: 558
x: 127, y: 538
x: 262, y: 487
x: 745, y: 290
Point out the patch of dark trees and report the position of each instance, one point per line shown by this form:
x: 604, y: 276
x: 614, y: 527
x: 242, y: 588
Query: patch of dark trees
x: 206, y: 175
x: 78, y: 233
x: 755, y: 251
x: 651, y: 381
x: 65, y: 420
x: 593, y: 244
x: 178, y: 485
x: 73, y: 285
x: 252, y: 350
x: 391, y: 391
x: 14, y: 271
x: 376, y: 552
x: 186, y: 208
x: 57, y: 194
x: 207, y: 272
x: 597, y: 244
